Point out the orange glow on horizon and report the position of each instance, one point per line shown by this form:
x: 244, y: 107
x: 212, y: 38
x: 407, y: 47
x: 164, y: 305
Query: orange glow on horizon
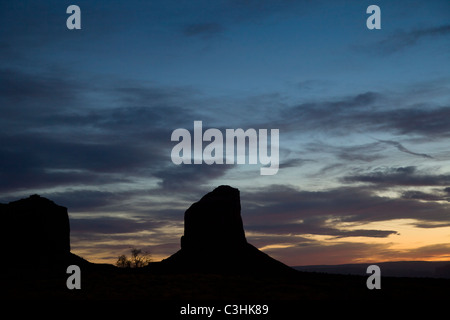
x: 410, y: 244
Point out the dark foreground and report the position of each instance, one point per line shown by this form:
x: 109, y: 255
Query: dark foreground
x: 117, y: 284
x: 242, y: 296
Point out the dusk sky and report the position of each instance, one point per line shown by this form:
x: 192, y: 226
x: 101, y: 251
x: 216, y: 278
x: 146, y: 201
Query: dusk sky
x: 363, y: 118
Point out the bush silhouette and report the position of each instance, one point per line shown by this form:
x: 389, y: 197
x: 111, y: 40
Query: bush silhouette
x: 138, y: 259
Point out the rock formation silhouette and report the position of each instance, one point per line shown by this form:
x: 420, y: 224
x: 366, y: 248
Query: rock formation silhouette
x: 214, y: 222
x: 214, y: 239
x: 36, y: 233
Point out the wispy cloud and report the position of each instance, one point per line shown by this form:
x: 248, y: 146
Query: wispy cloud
x: 55, y: 134
x: 369, y: 113
x: 297, y: 212
x: 404, y: 39
x: 399, y: 176
x: 400, y: 147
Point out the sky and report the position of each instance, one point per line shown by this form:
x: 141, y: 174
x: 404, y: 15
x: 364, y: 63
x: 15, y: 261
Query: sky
x: 363, y: 118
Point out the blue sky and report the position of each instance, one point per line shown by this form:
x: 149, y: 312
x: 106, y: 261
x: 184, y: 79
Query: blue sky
x: 363, y: 114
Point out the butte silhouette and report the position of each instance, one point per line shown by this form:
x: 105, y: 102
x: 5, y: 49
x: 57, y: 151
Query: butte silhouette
x: 214, y: 240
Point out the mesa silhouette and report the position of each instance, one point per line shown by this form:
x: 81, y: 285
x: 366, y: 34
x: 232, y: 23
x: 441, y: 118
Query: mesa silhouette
x: 214, y: 240
x: 38, y: 230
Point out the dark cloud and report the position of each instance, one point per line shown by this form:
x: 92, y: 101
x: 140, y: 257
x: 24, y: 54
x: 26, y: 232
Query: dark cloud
x: 32, y: 161
x: 404, y: 39
x: 401, y: 176
x: 294, y: 163
x: 286, y: 210
x: 69, y: 140
x: 425, y: 196
x: 134, y: 93
x: 334, y: 115
x: 318, y: 226
x: 278, y: 213
x: 189, y: 177
x: 427, y: 252
x: 92, y: 201
x: 328, y: 170
x: 367, y: 113
x: 262, y: 240
x: 105, y: 238
x: 315, y: 252
x: 110, y: 225
x: 57, y: 131
x: 25, y: 95
x: 345, y: 252
x: 316, y: 109
x: 400, y: 147
x: 423, y: 121
x: 363, y: 152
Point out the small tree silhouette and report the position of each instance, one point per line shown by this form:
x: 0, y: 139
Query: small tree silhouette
x: 138, y: 259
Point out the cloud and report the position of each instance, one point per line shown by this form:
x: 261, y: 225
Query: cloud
x: 280, y: 218
x: 319, y: 226
x: 94, y: 201
x: 294, y: 163
x: 401, y: 176
x: 27, y: 96
x: 422, y: 121
x: 439, y: 250
x: 341, y: 252
x: 60, y: 132
x: 317, y: 253
x: 400, y: 147
x: 420, y: 195
x: 277, y: 218
x: 286, y: 210
x: 189, y: 177
x: 404, y: 39
x: 331, y: 115
x: 32, y: 161
x: 368, y: 152
x: 369, y: 113
x: 111, y: 225
x: 104, y: 238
